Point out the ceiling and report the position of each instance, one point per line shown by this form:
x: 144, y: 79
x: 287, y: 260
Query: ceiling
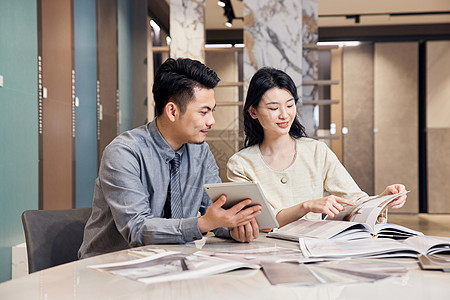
x: 335, y: 15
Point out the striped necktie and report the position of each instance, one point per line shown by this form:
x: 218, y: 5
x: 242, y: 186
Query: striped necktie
x: 176, y: 205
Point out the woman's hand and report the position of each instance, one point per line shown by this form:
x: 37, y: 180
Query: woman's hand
x: 330, y: 205
x: 395, y: 189
x: 245, y: 233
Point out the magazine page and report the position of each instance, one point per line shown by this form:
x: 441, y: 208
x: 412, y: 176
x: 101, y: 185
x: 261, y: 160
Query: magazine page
x: 169, y: 266
x: 367, y: 211
x: 435, y: 262
x: 332, y: 249
x: 429, y: 245
x: 256, y: 256
x: 322, y: 229
x: 394, y: 231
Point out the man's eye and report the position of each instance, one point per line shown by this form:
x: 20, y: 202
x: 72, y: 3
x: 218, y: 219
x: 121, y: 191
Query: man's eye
x: 289, y: 106
x: 203, y: 112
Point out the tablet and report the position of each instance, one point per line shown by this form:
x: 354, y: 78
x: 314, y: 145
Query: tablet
x: 238, y: 191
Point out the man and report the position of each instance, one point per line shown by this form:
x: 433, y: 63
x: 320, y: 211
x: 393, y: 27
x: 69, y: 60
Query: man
x: 150, y: 184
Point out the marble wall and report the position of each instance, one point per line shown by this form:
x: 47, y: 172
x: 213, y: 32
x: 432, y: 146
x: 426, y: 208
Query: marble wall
x: 438, y: 126
x: 396, y: 118
x: 310, y: 61
x: 273, y: 37
x: 358, y: 115
x: 187, y: 29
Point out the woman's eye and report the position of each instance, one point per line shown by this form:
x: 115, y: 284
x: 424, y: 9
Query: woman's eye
x: 273, y: 108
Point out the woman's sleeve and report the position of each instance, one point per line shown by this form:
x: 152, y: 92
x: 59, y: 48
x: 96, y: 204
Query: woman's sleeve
x: 235, y: 169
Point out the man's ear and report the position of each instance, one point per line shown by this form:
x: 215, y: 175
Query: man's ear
x: 171, y: 110
x: 252, y: 112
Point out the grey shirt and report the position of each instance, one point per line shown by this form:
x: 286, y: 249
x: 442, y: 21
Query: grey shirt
x: 131, y: 190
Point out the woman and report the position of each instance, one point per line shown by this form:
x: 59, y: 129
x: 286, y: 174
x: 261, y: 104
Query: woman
x: 293, y: 170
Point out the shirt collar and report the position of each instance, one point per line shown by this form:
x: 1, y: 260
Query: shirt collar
x: 166, y: 151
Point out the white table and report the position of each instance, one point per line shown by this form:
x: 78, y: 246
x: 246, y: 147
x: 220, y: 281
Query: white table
x: 76, y: 281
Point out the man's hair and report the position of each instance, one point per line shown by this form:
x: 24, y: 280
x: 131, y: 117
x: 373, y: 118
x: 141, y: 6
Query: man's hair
x: 176, y: 80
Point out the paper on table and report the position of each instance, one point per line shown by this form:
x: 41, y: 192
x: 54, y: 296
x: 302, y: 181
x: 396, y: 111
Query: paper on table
x: 256, y: 256
x: 370, y: 267
x: 169, y: 266
x: 289, y: 274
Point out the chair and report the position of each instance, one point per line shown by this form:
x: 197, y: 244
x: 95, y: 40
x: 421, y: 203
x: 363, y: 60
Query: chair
x: 53, y: 237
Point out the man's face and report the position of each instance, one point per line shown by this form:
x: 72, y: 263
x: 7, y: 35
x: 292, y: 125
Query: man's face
x: 194, y: 124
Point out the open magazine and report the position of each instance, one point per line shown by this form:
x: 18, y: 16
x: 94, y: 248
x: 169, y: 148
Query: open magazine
x: 170, y: 265
x: 366, y: 211
x: 374, y: 248
x: 357, y: 222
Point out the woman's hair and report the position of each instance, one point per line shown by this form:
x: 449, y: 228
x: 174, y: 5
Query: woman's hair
x: 263, y: 80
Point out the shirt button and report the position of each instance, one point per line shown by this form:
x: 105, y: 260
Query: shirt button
x: 283, y: 180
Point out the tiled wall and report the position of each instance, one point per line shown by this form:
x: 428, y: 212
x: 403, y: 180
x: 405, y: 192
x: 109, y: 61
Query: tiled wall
x: 438, y: 126
x: 396, y: 118
x: 358, y: 115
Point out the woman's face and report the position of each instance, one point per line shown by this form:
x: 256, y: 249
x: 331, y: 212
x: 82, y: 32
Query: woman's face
x: 276, y: 111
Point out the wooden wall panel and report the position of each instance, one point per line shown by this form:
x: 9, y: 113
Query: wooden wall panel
x: 336, y: 110
x: 56, y: 140
x: 107, y: 72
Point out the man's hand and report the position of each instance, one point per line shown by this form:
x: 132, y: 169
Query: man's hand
x: 395, y: 189
x: 245, y: 233
x: 235, y: 216
x: 330, y: 205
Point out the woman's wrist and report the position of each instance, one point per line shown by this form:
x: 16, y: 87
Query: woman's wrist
x: 304, y: 208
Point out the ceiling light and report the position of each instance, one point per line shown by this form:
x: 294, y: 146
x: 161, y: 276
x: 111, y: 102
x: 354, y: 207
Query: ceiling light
x: 154, y: 25
x: 218, y: 45
x: 340, y: 43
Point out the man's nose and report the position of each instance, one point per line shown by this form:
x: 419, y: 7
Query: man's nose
x: 211, y: 121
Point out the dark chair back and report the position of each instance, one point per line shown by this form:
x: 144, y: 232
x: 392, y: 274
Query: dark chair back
x: 53, y: 237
